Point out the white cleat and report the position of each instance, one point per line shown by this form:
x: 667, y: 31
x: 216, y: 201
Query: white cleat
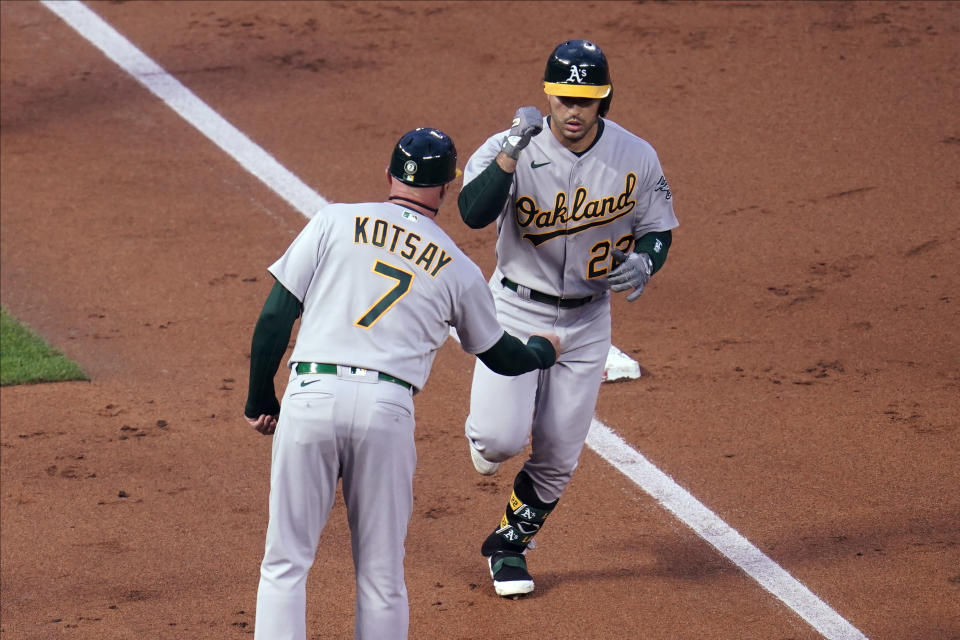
x: 483, y: 466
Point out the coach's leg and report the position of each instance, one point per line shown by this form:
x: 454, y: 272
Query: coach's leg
x: 303, y: 480
x: 378, y: 491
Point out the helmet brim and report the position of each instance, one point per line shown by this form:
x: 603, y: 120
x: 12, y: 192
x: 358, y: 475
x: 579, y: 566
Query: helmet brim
x: 576, y: 90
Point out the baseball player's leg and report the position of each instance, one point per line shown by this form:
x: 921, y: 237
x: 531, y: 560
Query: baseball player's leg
x: 565, y: 401
x: 568, y: 398
x: 501, y: 407
x: 378, y: 468
x: 560, y: 427
x: 501, y: 411
x: 303, y: 480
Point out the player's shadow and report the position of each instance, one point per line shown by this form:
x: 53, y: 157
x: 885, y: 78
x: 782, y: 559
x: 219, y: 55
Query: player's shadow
x: 684, y: 556
x: 676, y: 560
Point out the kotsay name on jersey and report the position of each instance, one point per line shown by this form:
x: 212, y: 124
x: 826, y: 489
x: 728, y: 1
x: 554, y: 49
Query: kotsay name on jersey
x: 385, y: 235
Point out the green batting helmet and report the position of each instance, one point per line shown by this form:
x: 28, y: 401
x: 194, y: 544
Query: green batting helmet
x: 578, y: 69
x: 424, y: 158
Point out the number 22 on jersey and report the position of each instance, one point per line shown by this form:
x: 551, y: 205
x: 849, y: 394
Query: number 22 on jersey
x: 597, y: 266
x: 391, y: 297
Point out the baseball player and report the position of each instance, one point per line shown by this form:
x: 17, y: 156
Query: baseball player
x: 377, y: 287
x: 582, y: 207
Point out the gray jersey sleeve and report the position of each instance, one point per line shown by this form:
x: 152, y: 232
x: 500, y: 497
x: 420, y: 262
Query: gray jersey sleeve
x: 654, y: 200
x: 475, y: 318
x: 296, y: 268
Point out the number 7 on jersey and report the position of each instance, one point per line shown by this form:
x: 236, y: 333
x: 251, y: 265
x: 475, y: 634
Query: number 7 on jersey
x: 391, y: 297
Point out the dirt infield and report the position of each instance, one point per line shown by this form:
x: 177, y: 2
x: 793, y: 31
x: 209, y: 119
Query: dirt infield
x: 800, y: 348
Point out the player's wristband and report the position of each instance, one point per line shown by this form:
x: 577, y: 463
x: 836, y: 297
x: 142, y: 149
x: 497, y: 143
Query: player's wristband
x: 655, y: 244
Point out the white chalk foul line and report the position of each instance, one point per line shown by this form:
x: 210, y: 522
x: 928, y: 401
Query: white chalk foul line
x: 601, y: 438
x: 718, y: 533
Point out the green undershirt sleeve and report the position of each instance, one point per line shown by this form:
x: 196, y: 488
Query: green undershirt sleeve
x: 270, y: 339
x: 655, y: 244
x: 510, y: 357
x: 482, y: 199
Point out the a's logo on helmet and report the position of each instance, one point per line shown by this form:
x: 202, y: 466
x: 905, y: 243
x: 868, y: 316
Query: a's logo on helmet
x: 576, y: 75
x: 410, y: 167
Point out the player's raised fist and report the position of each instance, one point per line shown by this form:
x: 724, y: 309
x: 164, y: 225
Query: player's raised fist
x: 527, y: 122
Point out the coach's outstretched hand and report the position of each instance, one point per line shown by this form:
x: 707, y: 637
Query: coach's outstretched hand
x: 547, y: 358
x: 527, y: 122
x: 554, y: 340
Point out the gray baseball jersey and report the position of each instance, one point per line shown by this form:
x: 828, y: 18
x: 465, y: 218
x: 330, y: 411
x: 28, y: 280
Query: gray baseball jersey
x: 566, y: 212
x: 398, y: 263
x: 564, y: 216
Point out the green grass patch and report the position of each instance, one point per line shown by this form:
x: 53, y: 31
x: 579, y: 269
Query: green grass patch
x: 26, y: 359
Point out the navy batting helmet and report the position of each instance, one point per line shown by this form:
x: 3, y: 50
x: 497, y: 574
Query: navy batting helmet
x: 578, y: 69
x: 424, y: 158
